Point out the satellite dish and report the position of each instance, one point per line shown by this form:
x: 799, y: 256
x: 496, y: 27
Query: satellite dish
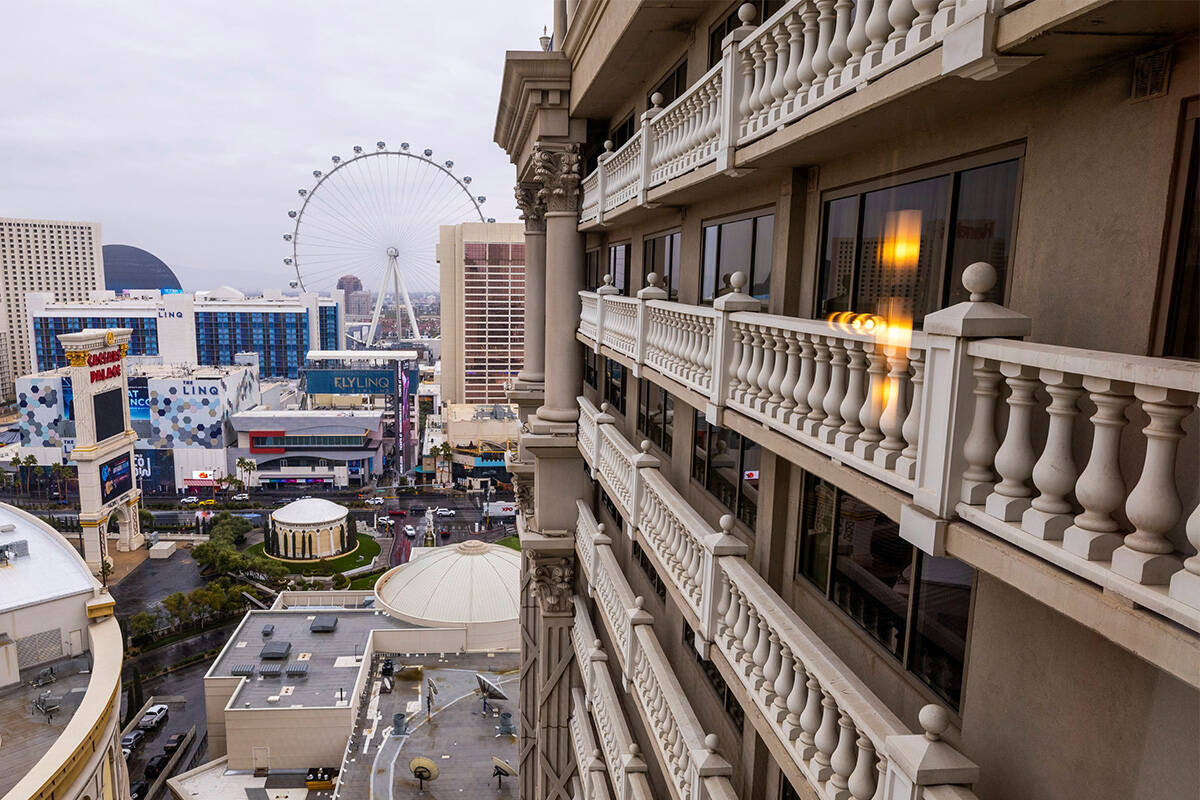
x: 489, y: 689
x: 501, y: 769
x: 423, y: 769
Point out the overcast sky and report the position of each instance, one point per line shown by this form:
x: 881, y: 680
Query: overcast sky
x: 185, y: 128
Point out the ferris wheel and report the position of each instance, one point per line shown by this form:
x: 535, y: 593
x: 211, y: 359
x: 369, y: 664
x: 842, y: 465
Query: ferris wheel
x: 375, y: 215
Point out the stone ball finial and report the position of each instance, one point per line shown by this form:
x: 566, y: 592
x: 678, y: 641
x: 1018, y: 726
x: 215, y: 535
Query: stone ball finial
x: 978, y: 279
x: 596, y: 753
x: 726, y: 523
x: 738, y: 281
x: 634, y: 750
x: 747, y: 12
x: 652, y: 279
x: 656, y: 99
x: 608, y: 145
x: 600, y: 527
x: 645, y: 446
x: 608, y: 279
x: 596, y: 643
x: 639, y: 602
x: 935, y: 720
x: 711, y: 742
x: 604, y: 408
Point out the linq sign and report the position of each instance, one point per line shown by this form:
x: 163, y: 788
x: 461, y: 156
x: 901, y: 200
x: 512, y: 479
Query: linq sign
x: 111, y: 358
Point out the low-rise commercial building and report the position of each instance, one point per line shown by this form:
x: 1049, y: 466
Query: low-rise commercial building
x: 313, y: 446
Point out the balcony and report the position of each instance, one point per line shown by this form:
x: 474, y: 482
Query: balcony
x: 985, y: 429
x: 810, y: 708
x: 809, y: 55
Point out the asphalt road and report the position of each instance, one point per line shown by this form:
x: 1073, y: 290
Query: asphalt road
x: 187, y: 683
x: 154, y: 579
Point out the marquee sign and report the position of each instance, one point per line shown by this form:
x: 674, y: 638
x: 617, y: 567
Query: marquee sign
x: 108, y: 363
x: 350, y: 381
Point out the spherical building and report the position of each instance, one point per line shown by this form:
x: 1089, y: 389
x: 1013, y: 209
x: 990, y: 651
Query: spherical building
x: 310, y: 529
x: 127, y: 267
x: 472, y: 585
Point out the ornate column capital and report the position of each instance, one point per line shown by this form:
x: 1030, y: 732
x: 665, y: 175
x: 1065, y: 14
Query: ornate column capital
x: 556, y: 169
x: 533, y: 210
x: 553, y: 580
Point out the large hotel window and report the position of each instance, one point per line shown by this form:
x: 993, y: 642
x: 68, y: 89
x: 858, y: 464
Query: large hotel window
x: 901, y: 248
x: 741, y: 244
x: 589, y: 366
x: 763, y: 11
x: 671, y: 86
x: 660, y: 255
x: 729, y: 700
x: 1179, y: 328
x: 656, y: 414
x: 855, y: 556
x: 593, y: 274
x: 727, y: 465
x: 622, y: 133
x: 614, y: 384
x: 618, y: 266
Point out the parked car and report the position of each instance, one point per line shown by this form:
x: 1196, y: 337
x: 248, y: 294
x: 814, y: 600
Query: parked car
x: 410, y: 531
x: 240, y: 496
x: 417, y: 511
x: 133, y: 740
x: 374, y: 501
x: 138, y: 790
x: 190, y: 500
x: 174, y: 741
x: 156, y: 765
x: 445, y: 512
x: 383, y: 521
x: 208, y: 502
x: 397, y: 512
x: 154, y: 716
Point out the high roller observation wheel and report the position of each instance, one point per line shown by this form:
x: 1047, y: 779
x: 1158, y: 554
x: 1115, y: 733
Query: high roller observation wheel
x: 376, y: 215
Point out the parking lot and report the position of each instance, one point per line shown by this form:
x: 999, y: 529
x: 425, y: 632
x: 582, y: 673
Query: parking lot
x: 186, y: 708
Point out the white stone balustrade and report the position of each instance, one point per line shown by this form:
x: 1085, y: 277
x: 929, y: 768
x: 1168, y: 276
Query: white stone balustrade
x: 1064, y: 478
x: 589, y: 314
x: 809, y: 54
x: 679, y: 343
x: 588, y: 534
x: 588, y: 434
x: 617, y: 467
x: 620, y: 329
x: 588, y: 759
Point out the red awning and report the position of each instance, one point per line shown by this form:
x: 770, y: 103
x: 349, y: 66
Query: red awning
x: 195, y: 483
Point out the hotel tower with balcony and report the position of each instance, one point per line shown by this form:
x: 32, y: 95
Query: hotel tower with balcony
x: 861, y: 452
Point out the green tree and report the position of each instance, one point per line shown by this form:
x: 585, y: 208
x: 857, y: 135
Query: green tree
x: 142, y: 624
x: 176, y: 605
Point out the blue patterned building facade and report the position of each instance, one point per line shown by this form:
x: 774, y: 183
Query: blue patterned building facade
x: 48, y: 350
x: 330, y: 327
x: 279, y: 338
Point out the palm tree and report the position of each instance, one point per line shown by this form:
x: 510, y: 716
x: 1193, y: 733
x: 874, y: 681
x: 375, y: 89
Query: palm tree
x: 30, y: 461
x: 249, y: 467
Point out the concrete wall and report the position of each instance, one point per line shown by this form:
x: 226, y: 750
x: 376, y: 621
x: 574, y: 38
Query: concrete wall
x: 295, y: 738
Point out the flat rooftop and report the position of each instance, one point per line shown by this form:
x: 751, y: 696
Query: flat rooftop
x: 26, y: 736
x: 332, y: 658
x: 42, y: 566
x: 361, y: 355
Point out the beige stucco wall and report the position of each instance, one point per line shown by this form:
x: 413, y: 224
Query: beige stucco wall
x: 296, y: 738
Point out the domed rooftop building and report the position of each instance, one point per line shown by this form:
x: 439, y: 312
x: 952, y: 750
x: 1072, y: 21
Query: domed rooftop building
x: 472, y: 585
x: 128, y: 267
x: 309, y: 529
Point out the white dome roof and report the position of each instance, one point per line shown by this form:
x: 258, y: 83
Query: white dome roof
x: 467, y: 583
x: 313, y: 511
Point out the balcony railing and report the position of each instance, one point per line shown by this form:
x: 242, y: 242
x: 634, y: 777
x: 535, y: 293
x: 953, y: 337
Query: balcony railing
x: 686, y: 753
x: 836, y: 731
x: 809, y: 54
x: 920, y: 413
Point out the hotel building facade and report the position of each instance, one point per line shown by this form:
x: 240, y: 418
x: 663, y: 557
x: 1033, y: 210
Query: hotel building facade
x: 860, y: 458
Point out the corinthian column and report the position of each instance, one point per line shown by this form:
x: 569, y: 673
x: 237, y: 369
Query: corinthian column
x: 552, y: 581
x: 556, y: 169
x: 533, y: 212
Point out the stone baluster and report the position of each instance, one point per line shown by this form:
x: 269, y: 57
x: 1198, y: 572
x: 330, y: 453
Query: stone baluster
x: 827, y: 737
x: 775, y: 382
x: 872, y: 408
x: 1055, y: 472
x: 1185, y: 584
x: 795, y: 698
x: 878, y: 29
x: 906, y: 465
x: 742, y: 333
x: 750, y: 645
x: 731, y: 614
x: 895, y: 410
x: 1153, y: 507
x: 852, y: 404
x: 782, y: 53
x: 880, y: 779
x: 756, y: 361
x: 922, y: 25
x: 820, y: 385
x: 765, y: 346
x: 843, y: 760
x: 762, y: 650
x: 836, y: 392
x: 1014, y: 459
x: 747, y: 86
x: 839, y: 49
x: 857, y: 41
x: 737, y: 353
x: 791, y: 79
x: 804, y: 70
x: 821, y: 60
x: 804, y: 382
x: 900, y: 16
x: 783, y: 684
x: 758, y: 57
x: 810, y: 718
x: 862, y: 780
x: 1101, y: 486
x: 979, y: 449
x: 770, y: 62
x: 736, y: 651
x: 770, y: 669
x: 790, y: 376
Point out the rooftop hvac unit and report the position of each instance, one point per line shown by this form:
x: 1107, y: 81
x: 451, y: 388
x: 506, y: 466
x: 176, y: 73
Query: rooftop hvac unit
x: 270, y: 670
x: 242, y: 669
x: 323, y: 623
x: 298, y: 669
x: 275, y: 651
